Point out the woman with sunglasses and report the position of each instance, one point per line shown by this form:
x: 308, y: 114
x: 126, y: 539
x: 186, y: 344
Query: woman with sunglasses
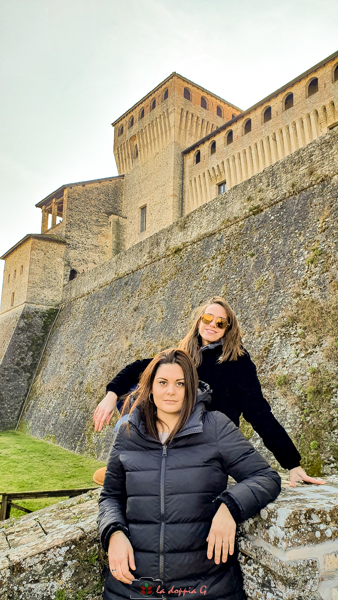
x: 215, y: 345
x: 165, y: 512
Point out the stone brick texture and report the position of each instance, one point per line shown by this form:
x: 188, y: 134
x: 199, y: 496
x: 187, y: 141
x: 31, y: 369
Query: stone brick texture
x: 87, y: 230
x: 267, y: 142
x: 275, y: 264
x: 29, y: 331
x: 153, y: 174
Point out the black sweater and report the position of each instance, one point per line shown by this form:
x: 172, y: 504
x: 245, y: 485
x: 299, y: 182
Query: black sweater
x: 235, y: 390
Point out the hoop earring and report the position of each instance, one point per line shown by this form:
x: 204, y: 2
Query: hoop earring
x: 151, y: 398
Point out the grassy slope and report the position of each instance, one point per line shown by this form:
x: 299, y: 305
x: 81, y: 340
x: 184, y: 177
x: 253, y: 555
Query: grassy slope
x: 28, y: 464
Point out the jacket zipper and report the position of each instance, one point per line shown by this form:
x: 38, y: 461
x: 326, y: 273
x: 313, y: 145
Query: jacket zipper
x: 162, y: 504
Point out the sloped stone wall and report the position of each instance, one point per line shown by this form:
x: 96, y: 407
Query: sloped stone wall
x: 270, y: 247
x: 287, y: 552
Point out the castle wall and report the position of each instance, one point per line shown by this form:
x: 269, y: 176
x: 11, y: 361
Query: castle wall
x: 148, y: 151
x: 267, y: 142
x: 269, y: 246
x: 28, y: 327
x: 15, y: 280
x: 87, y: 228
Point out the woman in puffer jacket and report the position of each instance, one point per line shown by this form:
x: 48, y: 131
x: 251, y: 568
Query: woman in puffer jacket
x: 215, y: 345
x: 166, y: 517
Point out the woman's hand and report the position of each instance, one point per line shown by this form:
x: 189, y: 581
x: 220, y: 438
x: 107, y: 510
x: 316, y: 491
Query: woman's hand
x: 298, y: 474
x: 105, y: 410
x: 221, y: 537
x: 121, y: 557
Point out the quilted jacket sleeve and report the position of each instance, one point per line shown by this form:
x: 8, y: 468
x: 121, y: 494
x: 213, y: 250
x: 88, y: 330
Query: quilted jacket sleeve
x: 112, y: 501
x: 257, y: 483
x: 128, y: 377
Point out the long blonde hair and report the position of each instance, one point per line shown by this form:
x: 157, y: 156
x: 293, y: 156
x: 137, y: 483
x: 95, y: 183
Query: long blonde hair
x: 232, y: 346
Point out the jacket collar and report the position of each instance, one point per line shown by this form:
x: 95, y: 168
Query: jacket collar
x: 193, y: 425
x: 211, y: 346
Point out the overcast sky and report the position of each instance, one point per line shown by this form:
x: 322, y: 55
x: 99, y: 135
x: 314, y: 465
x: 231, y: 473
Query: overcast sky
x: 71, y: 67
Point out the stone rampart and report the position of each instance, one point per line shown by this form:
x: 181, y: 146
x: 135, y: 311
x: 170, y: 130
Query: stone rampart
x: 288, y: 552
x: 269, y: 246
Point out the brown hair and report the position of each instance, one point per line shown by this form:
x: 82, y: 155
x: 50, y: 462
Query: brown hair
x: 231, y: 340
x: 142, y: 394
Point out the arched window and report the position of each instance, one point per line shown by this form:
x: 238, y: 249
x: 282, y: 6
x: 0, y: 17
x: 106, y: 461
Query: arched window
x: 247, y: 126
x: 312, y: 87
x: 267, y: 115
x: 141, y: 114
x: 335, y: 74
x: 204, y: 103
x: 9, y: 278
x: 153, y: 104
x: 230, y: 137
x: 14, y: 276
x: 187, y: 94
x: 131, y: 122
x: 12, y: 299
x: 120, y: 130
x: 197, y: 157
x: 21, y: 269
x: 166, y: 94
x: 135, y: 151
x: 233, y: 116
x: 288, y: 102
x: 219, y: 111
x: 72, y: 274
x: 213, y: 148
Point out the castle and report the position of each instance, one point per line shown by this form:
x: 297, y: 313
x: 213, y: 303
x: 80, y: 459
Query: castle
x: 176, y: 149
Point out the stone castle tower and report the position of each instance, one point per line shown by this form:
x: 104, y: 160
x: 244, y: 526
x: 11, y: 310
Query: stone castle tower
x: 176, y: 149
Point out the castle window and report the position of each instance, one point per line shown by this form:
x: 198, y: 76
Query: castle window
x: 312, y: 87
x: 204, y: 102
x: 267, y: 115
x: 72, y: 274
x: 288, y: 102
x: 141, y: 114
x: 230, y: 137
x: 120, y: 130
x: 247, y: 126
x: 335, y: 74
x: 143, y: 218
x: 213, y: 148
x: 12, y: 299
x: 131, y: 122
x: 187, y: 94
x: 135, y: 151
x: 21, y: 269
x: 14, y: 274
x: 166, y: 94
x: 219, y: 111
x: 197, y: 157
x: 153, y: 104
x: 222, y: 187
x: 9, y: 278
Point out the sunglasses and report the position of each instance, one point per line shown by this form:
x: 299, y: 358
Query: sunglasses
x: 221, y: 322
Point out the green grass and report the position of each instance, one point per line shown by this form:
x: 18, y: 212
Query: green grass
x: 29, y: 464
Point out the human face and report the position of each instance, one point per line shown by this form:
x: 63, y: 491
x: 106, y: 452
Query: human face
x: 210, y: 333
x: 168, y: 391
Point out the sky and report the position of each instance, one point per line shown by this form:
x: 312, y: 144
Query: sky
x: 69, y: 68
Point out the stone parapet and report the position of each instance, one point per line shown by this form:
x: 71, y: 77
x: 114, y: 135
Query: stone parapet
x: 288, y: 552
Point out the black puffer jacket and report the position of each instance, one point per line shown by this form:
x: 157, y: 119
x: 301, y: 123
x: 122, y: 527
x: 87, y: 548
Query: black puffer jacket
x: 163, y: 499
x: 235, y: 390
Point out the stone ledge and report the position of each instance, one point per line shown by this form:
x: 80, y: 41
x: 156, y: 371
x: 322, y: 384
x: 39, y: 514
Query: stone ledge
x: 288, y: 552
